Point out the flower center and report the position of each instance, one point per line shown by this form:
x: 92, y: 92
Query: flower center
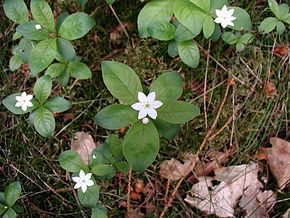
x: 147, y: 105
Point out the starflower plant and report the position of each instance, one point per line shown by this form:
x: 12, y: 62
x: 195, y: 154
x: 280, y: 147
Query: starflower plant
x: 225, y: 17
x: 83, y: 181
x: 148, y: 113
x: 24, y: 101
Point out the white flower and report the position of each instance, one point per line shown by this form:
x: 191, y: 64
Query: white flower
x: 94, y: 156
x: 83, y: 181
x: 145, y: 120
x: 224, y: 17
x: 24, y: 101
x: 147, y: 105
x: 38, y: 27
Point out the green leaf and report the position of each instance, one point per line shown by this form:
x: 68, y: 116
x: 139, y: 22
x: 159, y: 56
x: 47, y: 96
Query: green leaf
x: 102, y: 169
x: 42, y: 88
x: 141, y: 145
x: 280, y: 27
x: 217, y: 33
x: 283, y: 11
x: 79, y: 70
x: 122, y: 166
x: 268, y: 25
x: 2, y: 209
x: 15, y: 62
x: 208, y: 26
x: 23, y: 49
x: 110, y: 2
x: 116, y: 146
x: 64, y: 78
x: 16, y: 10
x: 44, y: 122
x: 16, y: 36
x: 116, y: 116
x: 10, y: 213
x: 168, y: 86
x: 154, y: 11
x: 99, y: 212
x: 172, y: 49
x: 42, y: 55
x: 82, y: 3
x: 240, y: 46
x: 189, y: 53
x: 71, y: 161
x: 183, y: 34
x: 178, y: 112
x: 204, y: 4
x: 60, y: 19
x: 121, y: 81
x: 217, y: 4
x: 230, y: 38
x: 42, y: 13
x: 55, y: 70
x: 2, y: 198
x: 242, y: 21
x: 90, y: 197
x: 167, y: 130
x: 246, y: 38
x: 66, y: 49
x: 18, y: 208
x: 57, y: 104
x: 162, y: 31
x: 10, y: 101
x: 101, y: 155
x: 287, y: 19
x: 29, y: 31
x: 274, y: 7
x: 12, y: 193
x: 76, y: 26
x: 189, y: 15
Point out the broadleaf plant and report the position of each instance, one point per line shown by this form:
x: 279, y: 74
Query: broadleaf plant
x: 180, y: 22
x: 159, y: 112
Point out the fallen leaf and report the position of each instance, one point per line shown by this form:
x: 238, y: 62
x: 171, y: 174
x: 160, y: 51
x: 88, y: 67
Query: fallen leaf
x: 281, y: 50
x: 84, y: 145
x: 270, y: 89
x: 286, y: 214
x: 139, y: 185
x: 174, y: 169
x: 134, y: 213
x: 223, y: 198
x: 279, y: 161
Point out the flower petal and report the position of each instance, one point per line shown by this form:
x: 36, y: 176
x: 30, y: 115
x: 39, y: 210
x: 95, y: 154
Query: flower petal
x: 84, y: 188
x: 152, y: 113
x: 29, y: 97
x: 224, y: 9
x: 142, y: 114
x: 230, y: 23
x: 218, y: 20
x: 224, y: 24
x: 82, y: 174
x: 151, y: 97
x: 76, y: 179
x: 142, y: 97
x: 218, y: 13
x: 18, y: 104
x: 156, y: 104
x: 231, y: 11
x: 77, y: 185
x: 88, y: 176
x: 18, y: 98
x: 29, y: 104
x: 231, y: 18
x: 90, y: 183
x: 23, y: 95
x: 137, y: 106
x: 24, y: 107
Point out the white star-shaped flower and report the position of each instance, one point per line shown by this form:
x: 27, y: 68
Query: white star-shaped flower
x: 24, y: 101
x: 147, y: 105
x: 83, y: 181
x: 225, y: 17
x: 38, y: 27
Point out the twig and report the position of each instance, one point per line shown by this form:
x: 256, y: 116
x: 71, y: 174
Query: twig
x: 205, y: 85
x: 167, y: 190
x: 121, y: 24
x: 129, y: 191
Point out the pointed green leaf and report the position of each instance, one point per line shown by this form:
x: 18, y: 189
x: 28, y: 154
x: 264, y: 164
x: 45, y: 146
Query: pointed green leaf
x: 204, y: 4
x: 42, y: 13
x: 9, y: 102
x: 79, y: 70
x: 242, y: 21
x: 268, y: 25
x: 189, y: 53
x: 116, y: 116
x: 168, y: 86
x: 64, y: 78
x: 183, y: 34
x: 172, y: 49
x: 274, y: 7
x: 44, y: 122
x: 90, y: 197
x: 66, y: 49
x: 16, y: 10
x: 217, y: 4
x: 102, y: 169
x: 55, y: 70
x: 167, y: 130
x: 163, y: 31
x: 57, y: 104
x: 283, y: 11
x: 29, y: 31
x: 178, y: 112
x: 141, y: 145
x: 76, y: 26
x: 230, y: 38
x: 121, y: 81
x: 42, y: 55
x: 99, y: 212
x: 71, y: 161
x: 208, y: 26
x: 12, y: 193
x: 280, y: 27
x: 42, y: 88
x: 10, y: 213
x: 23, y: 49
x: 15, y: 62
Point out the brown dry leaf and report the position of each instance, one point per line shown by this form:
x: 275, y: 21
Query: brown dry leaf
x: 134, y: 213
x: 286, y: 214
x: 270, y: 89
x: 223, y: 198
x: 119, y: 31
x: 282, y: 50
x: 84, y: 145
x: 174, y: 169
x: 279, y: 161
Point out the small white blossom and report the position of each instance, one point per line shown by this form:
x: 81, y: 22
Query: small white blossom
x: 5, y: 207
x: 145, y: 120
x: 38, y: 27
x: 83, y: 181
x: 24, y: 101
x: 147, y: 105
x: 94, y: 156
x: 225, y: 17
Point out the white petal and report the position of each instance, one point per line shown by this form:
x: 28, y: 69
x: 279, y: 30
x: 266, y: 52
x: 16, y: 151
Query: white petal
x: 24, y: 107
x: 231, y: 11
x: 77, y: 185
x: 29, y: 97
x: 142, y: 114
x: 18, y: 98
x: 88, y: 176
x: 29, y: 104
x: 137, y: 106
x: 90, y: 183
x: 82, y: 174
x: 231, y: 18
x: 156, y: 104
x: 218, y: 13
x: 151, y: 97
x: 84, y: 188
x: 230, y: 23
x: 224, y: 24
x: 152, y: 113
x: 218, y: 20
x: 23, y: 95
x: 18, y: 104
x: 76, y: 179
x: 224, y: 9
x: 142, y: 97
